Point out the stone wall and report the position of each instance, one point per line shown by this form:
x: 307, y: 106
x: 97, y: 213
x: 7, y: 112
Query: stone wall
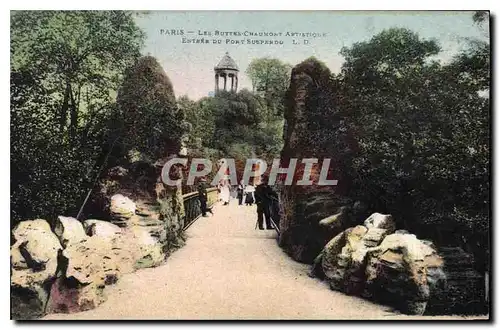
x: 65, y: 266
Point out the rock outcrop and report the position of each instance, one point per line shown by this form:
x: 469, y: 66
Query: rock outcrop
x: 373, y: 261
x: 69, y: 230
x: 68, y: 271
x: 33, y: 268
x: 121, y: 209
x: 87, y: 266
x: 99, y: 260
x: 404, y: 271
x: 147, y: 251
x: 100, y: 228
x: 313, y: 129
x: 135, y: 196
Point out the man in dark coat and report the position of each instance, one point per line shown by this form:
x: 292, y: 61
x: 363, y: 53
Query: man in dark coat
x: 203, y: 196
x: 264, y: 195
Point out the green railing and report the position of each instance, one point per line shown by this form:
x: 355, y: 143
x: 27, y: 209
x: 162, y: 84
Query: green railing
x: 192, y: 204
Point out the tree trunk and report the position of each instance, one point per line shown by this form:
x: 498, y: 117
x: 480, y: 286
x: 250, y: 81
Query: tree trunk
x: 63, y: 114
x: 73, y: 115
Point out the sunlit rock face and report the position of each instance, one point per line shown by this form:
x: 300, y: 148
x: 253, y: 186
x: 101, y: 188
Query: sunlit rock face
x: 378, y: 263
x: 313, y: 129
x: 66, y: 268
x: 33, y: 267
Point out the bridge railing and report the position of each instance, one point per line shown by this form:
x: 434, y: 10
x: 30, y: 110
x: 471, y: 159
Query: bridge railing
x: 192, y: 206
x: 276, y: 213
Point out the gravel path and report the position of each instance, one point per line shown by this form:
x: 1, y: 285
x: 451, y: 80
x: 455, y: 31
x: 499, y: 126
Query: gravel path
x: 228, y: 270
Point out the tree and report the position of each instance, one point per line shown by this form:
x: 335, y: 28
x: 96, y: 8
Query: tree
x: 423, y: 132
x: 152, y: 122
x: 270, y: 79
x: 232, y: 125
x: 80, y: 55
x: 65, y: 69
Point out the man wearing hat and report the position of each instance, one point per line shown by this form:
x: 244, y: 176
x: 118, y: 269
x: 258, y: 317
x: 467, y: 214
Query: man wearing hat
x: 203, y: 196
x: 264, y: 195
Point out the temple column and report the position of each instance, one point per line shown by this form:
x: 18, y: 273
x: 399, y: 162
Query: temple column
x: 216, y: 83
x: 236, y: 84
x: 225, y: 82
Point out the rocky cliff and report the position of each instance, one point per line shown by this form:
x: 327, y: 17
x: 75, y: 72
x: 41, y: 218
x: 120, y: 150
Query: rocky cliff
x: 314, y: 129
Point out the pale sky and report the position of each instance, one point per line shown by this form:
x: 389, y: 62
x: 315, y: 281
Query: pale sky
x: 190, y: 66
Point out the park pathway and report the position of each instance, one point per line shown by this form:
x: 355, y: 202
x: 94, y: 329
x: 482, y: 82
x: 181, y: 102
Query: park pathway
x: 228, y: 270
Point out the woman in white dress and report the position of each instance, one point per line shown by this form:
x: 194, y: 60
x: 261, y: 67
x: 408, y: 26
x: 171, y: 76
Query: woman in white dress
x: 224, y: 192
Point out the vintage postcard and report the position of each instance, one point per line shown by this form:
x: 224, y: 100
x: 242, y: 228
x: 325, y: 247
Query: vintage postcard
x: 250, y: 165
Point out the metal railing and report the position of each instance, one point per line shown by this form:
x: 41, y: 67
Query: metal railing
x: 275, y: 212
x: 192, y: 208
x: 192, y: 205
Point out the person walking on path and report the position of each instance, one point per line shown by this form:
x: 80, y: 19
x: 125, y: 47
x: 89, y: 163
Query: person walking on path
x: 240, y: 189
x: 264, y: 195
x: 249, y: 194
x: 225, y: 193
x: 203, y: 197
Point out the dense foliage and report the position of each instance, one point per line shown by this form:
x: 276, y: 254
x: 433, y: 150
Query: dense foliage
x: 423, y: 134
x: 153, y: 125
x: 65, y: 70
x: 244, y: 124
x: 270, y: 79
x: 82, y: 101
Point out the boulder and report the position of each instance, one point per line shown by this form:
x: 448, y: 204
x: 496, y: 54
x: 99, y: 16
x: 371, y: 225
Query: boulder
x: 90, y: 265
x: 69, y: 230
x: 87, y: 267
x: 27, y: 227
x: 344, y: 267
x: 67, y: 296
x: 121, y: 209
x: 33, y: 268
x: 382, y: 221
x: 334, y: 221
x: 397, y: 272
x: 396, y: 268
x: 148, y: 252
x: 100, y: 228
x: 344, y: 258
x: 35, y: 250
x: 330, y: 254
x: 91, y: 261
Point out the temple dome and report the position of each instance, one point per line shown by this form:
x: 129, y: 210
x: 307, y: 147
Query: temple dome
x: 227, y: 63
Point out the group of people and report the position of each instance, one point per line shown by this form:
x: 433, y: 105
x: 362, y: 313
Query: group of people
x: 245, y: 192
x: 262, y: 195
